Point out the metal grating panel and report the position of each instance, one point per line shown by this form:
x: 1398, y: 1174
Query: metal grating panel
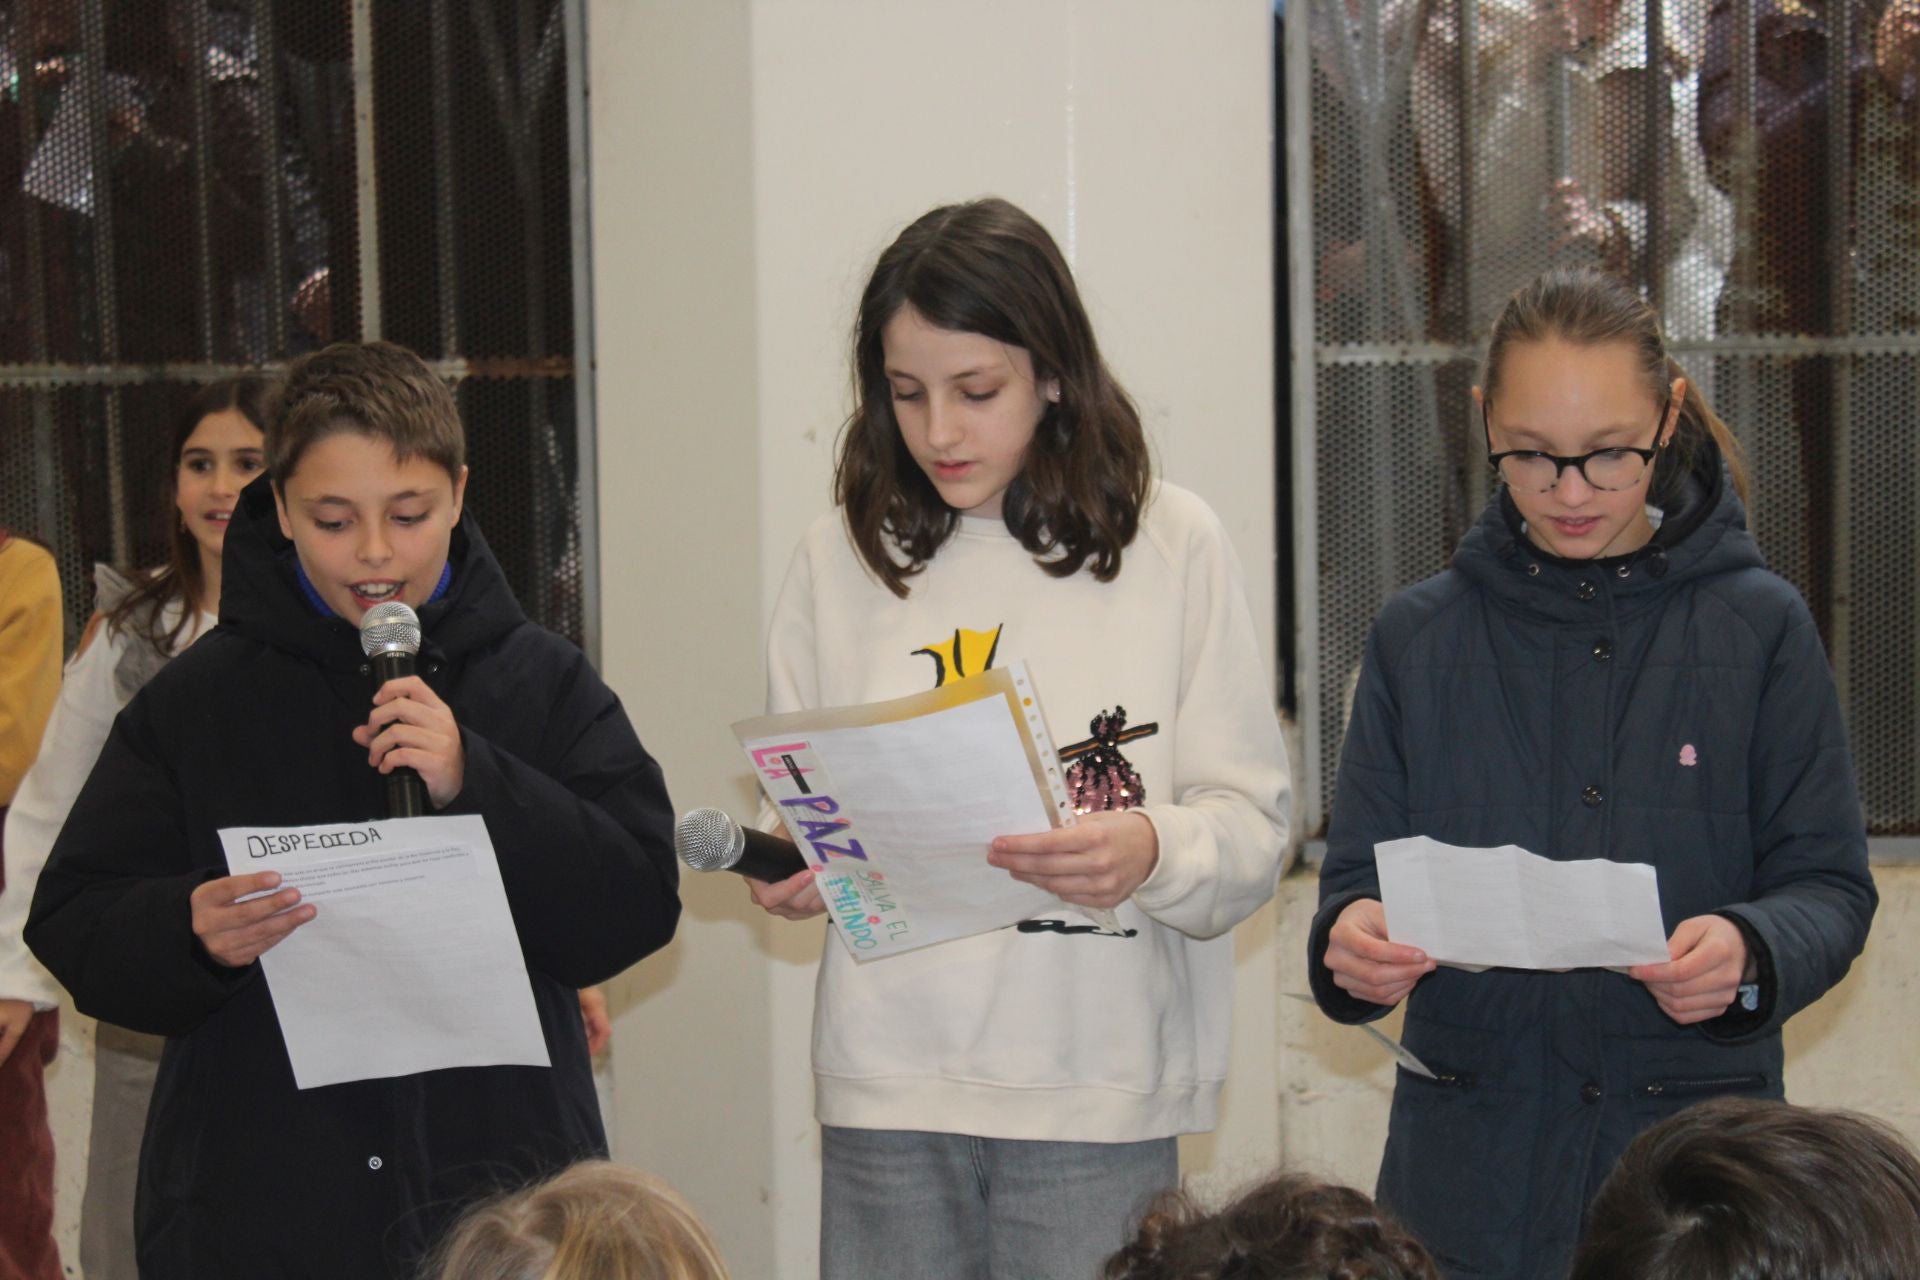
x: 1780, y: 239
x: 274, y: 175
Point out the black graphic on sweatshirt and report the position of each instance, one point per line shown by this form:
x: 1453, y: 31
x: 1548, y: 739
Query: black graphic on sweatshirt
x: 967, y: 653
x: 1061, y: 926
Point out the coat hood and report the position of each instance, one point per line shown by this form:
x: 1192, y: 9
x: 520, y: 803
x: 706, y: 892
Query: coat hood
x: 261, y: 596
x: 1702, y: 533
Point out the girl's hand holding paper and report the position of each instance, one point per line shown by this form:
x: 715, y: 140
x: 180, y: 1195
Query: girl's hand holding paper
x: 1097, y: 862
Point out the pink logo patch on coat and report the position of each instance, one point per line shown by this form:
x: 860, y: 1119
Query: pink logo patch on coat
x: 1688, y: 756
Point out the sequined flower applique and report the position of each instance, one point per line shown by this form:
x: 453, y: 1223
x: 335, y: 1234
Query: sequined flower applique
x: 1100, y: 778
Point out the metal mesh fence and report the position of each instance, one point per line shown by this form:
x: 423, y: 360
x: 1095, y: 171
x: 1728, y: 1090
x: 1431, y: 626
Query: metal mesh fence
x: 191, y: 189
x: 1753, y: 165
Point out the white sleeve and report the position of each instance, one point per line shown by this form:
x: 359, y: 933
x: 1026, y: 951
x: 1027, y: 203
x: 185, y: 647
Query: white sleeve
x: 75, y: 733
x: 1223, y: 838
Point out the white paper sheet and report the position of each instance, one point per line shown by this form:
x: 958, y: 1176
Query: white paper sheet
x: 897, y: 801
x: 411, y: 962
x: 1480, y: 908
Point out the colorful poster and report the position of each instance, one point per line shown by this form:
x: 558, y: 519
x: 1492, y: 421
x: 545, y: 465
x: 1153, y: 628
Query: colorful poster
x: 896, y: 803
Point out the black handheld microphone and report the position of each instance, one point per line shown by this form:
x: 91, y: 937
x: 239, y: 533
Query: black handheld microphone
x: 390, y: 636
x: 709, y: 840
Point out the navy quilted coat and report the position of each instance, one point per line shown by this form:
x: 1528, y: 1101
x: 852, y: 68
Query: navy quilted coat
x: 1672, y: 706
x: 243, y: 1176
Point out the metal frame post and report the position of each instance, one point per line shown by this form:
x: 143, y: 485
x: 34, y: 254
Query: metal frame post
x: 93, y: 41
x: 366, y: 167
x: 1297, y: 50
x: 1839, y: 249
x: 585, y: 368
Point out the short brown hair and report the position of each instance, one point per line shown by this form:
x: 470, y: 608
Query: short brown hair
x: 1741, y: 1187
x: 595, y: 1219
x: 379, y: 389
x: 989, y: 268
x: 1289, y: 1227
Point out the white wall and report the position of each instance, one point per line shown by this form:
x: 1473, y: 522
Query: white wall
x: 750, y: 160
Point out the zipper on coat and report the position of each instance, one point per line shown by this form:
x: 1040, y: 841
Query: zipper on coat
x: 1701, y: 1084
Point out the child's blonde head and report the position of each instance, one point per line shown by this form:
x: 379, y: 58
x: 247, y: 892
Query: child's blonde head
x: 595, y: 1221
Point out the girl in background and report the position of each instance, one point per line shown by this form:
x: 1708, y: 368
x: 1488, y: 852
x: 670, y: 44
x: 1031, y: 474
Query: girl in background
x: 1004, y: 1105
x: 1607, y: 671
x: 140, y: 623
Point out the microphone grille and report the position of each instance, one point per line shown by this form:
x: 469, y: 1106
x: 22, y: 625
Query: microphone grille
x: 708, y: 840
x: 392, y: 627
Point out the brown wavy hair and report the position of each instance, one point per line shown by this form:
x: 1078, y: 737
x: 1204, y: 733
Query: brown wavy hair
x: 141, y: 612
x: 1590, y: 308
x: 1289, y: 1227
x: 1740, y: 1187
x: 988, y: 267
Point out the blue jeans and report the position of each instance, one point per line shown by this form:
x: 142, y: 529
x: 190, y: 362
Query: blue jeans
x: 906, y: 1205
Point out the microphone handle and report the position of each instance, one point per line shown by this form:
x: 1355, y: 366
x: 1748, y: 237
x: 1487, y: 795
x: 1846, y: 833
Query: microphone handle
x: 406, y: 794
x: 765, y: 858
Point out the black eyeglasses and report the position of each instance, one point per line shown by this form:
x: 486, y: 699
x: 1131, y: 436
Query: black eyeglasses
x: 1609, y: 470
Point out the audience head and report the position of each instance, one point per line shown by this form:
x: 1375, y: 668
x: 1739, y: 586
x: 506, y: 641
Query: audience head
x: 594, y: 1221
x: 1737, y: 1189
x: 1286, y: 1228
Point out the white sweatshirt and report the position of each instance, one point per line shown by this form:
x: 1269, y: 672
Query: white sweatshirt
x: 1055, y: 1031
x: 99, y: 681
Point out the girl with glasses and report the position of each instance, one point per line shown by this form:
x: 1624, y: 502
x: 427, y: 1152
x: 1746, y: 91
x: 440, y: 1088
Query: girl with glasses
x: 1609, y: 671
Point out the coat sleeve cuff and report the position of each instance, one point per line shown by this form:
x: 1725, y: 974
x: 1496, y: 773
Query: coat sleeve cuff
x: 1739, y: 1023
x: 1333, y: 1001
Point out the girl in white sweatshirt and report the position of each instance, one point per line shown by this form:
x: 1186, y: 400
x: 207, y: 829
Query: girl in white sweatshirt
x: 1003, y: 1105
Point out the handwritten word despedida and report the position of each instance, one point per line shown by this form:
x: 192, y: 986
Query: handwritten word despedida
x: 300, y: 841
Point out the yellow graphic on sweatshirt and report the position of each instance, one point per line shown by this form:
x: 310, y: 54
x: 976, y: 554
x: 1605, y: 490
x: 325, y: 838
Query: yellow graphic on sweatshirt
x: 968, y: 653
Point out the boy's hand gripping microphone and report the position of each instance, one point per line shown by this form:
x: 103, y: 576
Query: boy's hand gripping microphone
x: 390, y: 636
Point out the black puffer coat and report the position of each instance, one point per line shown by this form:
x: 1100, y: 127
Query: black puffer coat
x: 1672, y: 707
x: 243, y: 1175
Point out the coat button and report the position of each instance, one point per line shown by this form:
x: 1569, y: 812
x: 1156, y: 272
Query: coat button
x: 1590, y: 796
x: 1590, y: 1092
x: 1586, y: 591
x: 1533, y: 571
x: 374, y: 1163
x: 1602, y: 649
